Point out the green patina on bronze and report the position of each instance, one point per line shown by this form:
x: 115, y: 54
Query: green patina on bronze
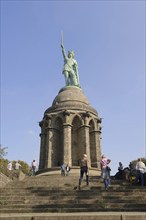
x: 70, y: 68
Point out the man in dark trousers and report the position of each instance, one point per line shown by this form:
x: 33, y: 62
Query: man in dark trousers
x: 84, y: 169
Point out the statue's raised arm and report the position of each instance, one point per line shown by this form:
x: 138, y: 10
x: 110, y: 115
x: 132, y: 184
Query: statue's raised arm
x: 70, y: 69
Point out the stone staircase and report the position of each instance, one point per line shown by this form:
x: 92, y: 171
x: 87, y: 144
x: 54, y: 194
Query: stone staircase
x: 59, y: 194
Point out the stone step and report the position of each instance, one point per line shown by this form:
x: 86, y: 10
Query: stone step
x: 82, y: 201
x: 76, y: 216
x: 75, y: 194
x: 72, y: 208
x: 60, y: 194
x: 84, y: 189
x: 60, y: 180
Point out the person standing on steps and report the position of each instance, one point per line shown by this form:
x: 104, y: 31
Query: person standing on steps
x: 140, y: 170
x: 17, y: 165
x: 84, y: 169
x: 62, y: 169
x: 9, y: 166
x: 120, y: 171
x: 104, y: 171
x: 34, y: 167
x: 67, y: 169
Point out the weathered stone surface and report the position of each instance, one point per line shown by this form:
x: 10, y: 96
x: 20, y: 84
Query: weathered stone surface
x: 72, y: 98
x: 70, y: 128
x: 3, y: 180
x: 134, y: 216
x: 56, y: 197
x: 77, y: 216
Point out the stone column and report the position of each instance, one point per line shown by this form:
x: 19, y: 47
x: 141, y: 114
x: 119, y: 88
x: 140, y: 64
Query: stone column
x: 42, y: 145
x: 86, y: 137
x: 49, y: 149
x: 67, y: 139
x: 48, y: 156
x: 98, y: 145
x: 42, y: 151
x: 87, y: 142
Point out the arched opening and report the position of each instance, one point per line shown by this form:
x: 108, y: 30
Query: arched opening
x: 76, y: 146
x: 92, y: 144
x: 57, y: 143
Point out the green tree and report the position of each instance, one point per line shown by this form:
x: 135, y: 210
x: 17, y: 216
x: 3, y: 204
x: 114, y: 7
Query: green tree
x: 24, y: 166
x: 3, y: 166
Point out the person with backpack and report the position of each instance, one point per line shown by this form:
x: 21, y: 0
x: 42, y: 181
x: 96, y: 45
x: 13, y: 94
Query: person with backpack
x: 105, y: 174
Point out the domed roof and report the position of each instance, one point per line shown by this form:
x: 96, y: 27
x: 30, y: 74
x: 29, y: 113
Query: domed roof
x: 70, y: 93
x: 73, y: 98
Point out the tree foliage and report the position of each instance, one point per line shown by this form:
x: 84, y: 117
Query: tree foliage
x: 3, y: 166
x: 24, y: 166
x: 3, y: 152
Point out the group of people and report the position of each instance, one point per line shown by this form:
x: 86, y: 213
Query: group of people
x: 16, y: 166
x: 84, y: 169
x: 105, y: 171
x: 136, y: 172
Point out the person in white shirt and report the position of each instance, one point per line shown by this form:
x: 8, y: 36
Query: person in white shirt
x: 9, y: 166
x: 140, y: 170
x: 34, y: 167
x: 17, y: 165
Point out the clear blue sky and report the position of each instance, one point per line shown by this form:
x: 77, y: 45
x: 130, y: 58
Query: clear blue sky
x: 108, y: 38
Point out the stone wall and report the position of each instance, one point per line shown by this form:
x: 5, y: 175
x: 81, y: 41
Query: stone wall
x: 4, y: 180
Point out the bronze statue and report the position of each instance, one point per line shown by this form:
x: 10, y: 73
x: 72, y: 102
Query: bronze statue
x: 70, y: 69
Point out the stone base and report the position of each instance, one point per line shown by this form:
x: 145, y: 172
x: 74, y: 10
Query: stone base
x: 74, y: 170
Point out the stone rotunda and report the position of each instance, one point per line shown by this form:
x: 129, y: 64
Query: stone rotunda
x: 70, y: 128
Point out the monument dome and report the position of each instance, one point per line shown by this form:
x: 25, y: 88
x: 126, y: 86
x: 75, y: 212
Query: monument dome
x: 73, y: 98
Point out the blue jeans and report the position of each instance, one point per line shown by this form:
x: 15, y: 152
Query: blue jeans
x: 106, y: 183
x: 33, y: 170
x: 140, y: 176
x: 106, y: 177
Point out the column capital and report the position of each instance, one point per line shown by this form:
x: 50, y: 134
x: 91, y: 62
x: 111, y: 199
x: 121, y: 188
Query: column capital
x: 96, y: 131
x: 67, y: 125
x: 85, y: 126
